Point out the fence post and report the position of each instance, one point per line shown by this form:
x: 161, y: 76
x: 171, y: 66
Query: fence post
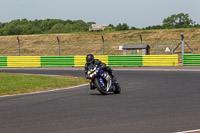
x: 182, y: 43
x: 172, y: 46
x: 141, y: 38
x: 58, y: 46
x: 18, y: 46
x: 103, y: 43
x: 156, y: 48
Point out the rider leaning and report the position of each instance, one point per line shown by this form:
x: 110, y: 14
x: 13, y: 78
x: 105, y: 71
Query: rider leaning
x: 90, y: 60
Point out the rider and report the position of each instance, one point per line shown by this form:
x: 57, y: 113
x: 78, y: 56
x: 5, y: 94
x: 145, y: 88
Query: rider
x: 90, y: 60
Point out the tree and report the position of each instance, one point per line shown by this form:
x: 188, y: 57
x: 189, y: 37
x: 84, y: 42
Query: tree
x: 47, y: 24
x: 24, y: 21
x: 90, y: 23
x: 134, y: 28
x: 80, y: 25
x: 58, y: 28
x: 111, y: 25
x: 24, y: 26
x: 178, y: 21
x: 12, y: 28
x: 123, y: 26
x: 68, y: 28
x: 154, y: 27
x: 1, y: 28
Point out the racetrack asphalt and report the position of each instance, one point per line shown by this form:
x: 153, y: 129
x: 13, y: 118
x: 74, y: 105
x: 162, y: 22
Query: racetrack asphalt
x: 152, y: 101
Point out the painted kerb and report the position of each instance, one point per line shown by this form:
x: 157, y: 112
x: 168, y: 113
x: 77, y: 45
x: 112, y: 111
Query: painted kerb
x: 191, y: 59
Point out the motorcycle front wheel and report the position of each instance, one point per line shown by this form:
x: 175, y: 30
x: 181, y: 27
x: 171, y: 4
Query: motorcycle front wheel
x: 117, y: 89
x: 100, y: 88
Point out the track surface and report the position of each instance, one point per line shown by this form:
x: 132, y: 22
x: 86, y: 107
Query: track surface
x: 150, y: 102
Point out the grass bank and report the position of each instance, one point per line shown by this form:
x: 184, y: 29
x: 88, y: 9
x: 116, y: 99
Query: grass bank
x: 19, y: 83
x: 91, y: 42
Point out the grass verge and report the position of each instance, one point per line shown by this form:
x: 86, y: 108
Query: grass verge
x: 19, y: 83
x: 91, y: 42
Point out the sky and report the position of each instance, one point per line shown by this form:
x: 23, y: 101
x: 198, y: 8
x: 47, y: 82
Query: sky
x: 137, y: 13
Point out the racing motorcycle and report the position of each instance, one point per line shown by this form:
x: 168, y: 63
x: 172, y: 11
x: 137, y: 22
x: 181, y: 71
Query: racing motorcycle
x: 103, y: 81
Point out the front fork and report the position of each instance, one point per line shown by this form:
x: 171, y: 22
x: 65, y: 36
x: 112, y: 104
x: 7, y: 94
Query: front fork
x: 100, y: 80
x: 92, y: 84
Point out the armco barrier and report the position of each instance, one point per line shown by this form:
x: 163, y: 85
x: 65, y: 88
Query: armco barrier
x: 57, y: 61
x: 121, y: 60
x: 160, y: 60
x: 191, y: 59
x: 3, y: 61
x: 23, y: 61
x: 79, y: 61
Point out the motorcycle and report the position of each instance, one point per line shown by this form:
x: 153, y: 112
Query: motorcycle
x: 103, y: 81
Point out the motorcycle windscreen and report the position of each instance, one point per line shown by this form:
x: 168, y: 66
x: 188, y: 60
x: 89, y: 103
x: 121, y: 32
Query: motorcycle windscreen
x: 91, y: 67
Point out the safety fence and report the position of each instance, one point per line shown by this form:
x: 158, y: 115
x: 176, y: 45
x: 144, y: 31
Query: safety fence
x: 79, y: 61
x: 191, y: 59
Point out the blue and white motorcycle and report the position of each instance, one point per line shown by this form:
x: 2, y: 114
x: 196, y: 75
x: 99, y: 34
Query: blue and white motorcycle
x: 103, y: 81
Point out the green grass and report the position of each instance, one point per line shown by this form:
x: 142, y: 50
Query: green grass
x: 19, y: 83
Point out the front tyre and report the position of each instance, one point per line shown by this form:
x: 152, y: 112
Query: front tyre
x: 100, y: 88
x: 117, y: 89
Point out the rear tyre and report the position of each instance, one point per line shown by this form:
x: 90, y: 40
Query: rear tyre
x: 100, y: 88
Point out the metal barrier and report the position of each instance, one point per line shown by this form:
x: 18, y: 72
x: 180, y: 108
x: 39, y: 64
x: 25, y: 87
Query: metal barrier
x: 57, y: 61
x: 128, y: 60
x: 3, y: 61
x: 23, y: 61
x: 191, y: 59
x: 160, y: 60
x: 79, y: 61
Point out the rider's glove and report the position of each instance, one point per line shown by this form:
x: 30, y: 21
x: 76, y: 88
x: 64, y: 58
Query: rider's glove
x: 87, y: 76
x: 103, y: 66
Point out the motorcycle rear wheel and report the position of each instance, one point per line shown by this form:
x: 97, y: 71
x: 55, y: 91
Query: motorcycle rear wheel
x: 100, y: 88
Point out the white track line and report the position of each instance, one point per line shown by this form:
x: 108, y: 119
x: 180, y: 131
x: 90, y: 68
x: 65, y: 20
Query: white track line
x: 44, y: 91
x: 190, y: 131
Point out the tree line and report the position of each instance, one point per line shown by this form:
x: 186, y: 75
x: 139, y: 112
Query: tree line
x: 24, y: 26
x: 180, y: 20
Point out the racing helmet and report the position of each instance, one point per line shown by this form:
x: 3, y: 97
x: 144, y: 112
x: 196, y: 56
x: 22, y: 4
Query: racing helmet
x: 89, y: 58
